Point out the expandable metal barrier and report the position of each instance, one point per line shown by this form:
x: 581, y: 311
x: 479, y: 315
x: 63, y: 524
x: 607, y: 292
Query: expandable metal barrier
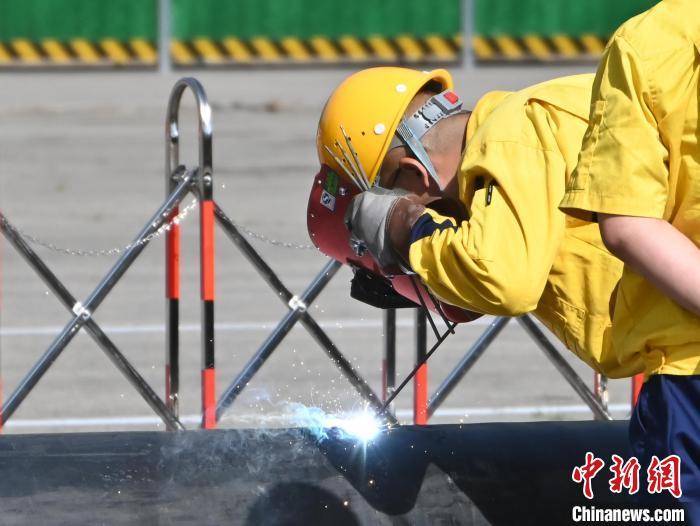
x: 181, y: 181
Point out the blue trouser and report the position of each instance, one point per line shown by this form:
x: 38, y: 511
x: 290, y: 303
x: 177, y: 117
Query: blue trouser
x: 666, y: 421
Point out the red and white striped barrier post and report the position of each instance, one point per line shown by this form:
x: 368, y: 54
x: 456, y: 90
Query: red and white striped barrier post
x: 420, y: 381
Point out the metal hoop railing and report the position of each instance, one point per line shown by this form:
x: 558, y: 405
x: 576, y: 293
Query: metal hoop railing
x: 205, y: 189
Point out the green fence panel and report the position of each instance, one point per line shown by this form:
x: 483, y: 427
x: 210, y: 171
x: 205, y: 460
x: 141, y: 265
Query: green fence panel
x: 549, y: 17
x: 307, y: 18
x: 125, y: 19
x: 66, y: 19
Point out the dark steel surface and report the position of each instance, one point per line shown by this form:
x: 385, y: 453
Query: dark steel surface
x: 478, y: 474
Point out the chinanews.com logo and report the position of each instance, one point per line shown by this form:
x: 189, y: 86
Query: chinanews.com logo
x: 663, y: 475
x: 593, y: 515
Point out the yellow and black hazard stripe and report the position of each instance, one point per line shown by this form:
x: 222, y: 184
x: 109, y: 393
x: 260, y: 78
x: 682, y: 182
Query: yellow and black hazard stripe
x: 110, y: 52
x: 231, y: 51
x: 538, y: 48
x: 315, y: 50
x: 405, y: 49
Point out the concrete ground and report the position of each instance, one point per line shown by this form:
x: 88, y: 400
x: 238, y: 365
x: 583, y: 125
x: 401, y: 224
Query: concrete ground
x: 81, y: 166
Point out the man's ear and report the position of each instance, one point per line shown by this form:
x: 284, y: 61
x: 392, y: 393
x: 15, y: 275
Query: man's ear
x: 412, y: 165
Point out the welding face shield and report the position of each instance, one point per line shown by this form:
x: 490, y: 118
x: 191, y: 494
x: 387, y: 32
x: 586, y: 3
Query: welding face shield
x: 383, y: 288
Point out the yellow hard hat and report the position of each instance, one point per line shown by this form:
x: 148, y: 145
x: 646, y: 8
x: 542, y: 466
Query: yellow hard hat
x: 360, y: 118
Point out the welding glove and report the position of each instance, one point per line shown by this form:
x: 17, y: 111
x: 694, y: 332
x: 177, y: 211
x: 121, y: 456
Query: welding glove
x: 369, y: 220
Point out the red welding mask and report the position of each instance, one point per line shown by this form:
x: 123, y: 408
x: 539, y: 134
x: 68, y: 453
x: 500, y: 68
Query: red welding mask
x: 383, y: 288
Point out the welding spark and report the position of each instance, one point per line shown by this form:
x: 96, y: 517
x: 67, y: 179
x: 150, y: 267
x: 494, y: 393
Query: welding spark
x: 362, y: 426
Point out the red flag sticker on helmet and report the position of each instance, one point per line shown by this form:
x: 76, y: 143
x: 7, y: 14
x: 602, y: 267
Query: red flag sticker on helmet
x: 451, y: 97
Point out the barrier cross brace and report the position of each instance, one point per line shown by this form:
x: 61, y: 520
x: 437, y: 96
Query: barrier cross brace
x: 118, y: 359
x: 92, y: 302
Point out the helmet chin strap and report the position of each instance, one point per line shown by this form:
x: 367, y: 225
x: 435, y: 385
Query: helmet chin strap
x: 411, y: 129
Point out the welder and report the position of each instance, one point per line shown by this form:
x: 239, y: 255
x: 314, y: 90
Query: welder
x: 639, y: 176
x: 496, y: 243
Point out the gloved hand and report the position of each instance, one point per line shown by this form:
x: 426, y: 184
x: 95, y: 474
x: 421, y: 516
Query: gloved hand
x: 369, y: 220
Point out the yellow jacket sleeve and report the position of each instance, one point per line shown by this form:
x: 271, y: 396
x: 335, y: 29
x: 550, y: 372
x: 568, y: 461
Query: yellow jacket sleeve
x: 497, y: 262
x: 622, y: 165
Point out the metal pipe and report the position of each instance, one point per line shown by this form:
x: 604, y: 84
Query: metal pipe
x: 420, y: 380
x: 172, y: 131
x: 164, y: 13
x: 172, y: 301
x: 468, y: 19
x: 172, y: 355
x: 466, y: 363
x: 389, y: 361
x: 296, y: 308
x: 636, y: 385
x: 83, y: 312
x: 118, y: 359
x: 573, y: 379
x: 306, y: 319
x: 2, y: 247
x: 600, y: 389
x: 207, y: 294
x: 426, y: 312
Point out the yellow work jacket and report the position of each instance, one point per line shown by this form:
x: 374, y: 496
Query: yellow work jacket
x: 518, y: 252
x: 641, y: 157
